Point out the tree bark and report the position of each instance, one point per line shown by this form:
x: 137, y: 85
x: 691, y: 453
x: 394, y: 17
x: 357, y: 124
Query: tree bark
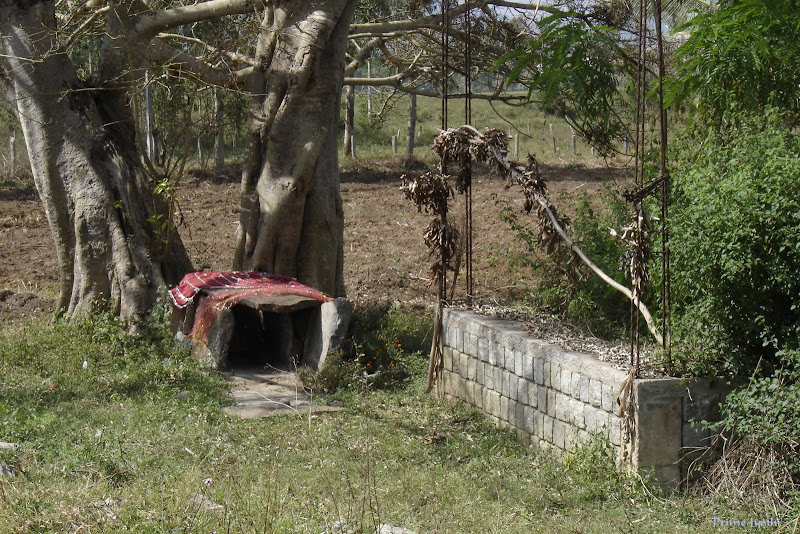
x: 115, y: 245
x: 291, y: 218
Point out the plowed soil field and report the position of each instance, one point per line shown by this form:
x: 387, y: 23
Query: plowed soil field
x: 385, y: 257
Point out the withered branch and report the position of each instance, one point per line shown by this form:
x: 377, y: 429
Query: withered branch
x: 456, y: 145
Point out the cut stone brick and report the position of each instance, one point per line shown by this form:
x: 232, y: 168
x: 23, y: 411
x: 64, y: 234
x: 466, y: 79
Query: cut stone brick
x: 595, y: 393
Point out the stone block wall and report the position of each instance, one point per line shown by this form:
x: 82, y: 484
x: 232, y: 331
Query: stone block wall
x: 557, y: 398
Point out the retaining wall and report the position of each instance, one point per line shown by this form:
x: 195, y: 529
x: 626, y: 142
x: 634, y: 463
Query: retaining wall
x: 557, y: 398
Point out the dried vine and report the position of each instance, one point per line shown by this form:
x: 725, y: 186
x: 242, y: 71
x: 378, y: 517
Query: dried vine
x: 431, y: 193
x: 457, y: 146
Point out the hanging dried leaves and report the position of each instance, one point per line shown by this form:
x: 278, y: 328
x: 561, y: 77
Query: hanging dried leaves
x: 461, y: 145
x: 635, y: 260
x: 430, y: 192
x: 442, y: 240
x: 457, y: 147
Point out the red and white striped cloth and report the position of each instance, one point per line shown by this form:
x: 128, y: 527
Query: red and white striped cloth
x: 194, y: 283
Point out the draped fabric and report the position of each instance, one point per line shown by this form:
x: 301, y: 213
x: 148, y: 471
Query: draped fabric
x: 221, y: 290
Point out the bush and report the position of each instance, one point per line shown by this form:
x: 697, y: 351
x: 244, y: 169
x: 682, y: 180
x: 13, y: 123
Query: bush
x: 569, y: 289
x: 760, y: 439
x: 386, y: 346
x: 735, y: 248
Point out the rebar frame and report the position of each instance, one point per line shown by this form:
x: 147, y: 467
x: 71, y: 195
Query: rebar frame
x: 468, y: 186
x: 640, y: 180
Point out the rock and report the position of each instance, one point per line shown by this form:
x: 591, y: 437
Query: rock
x: 183, y: 395
x: 341, y: 527
x: 6, y: 471
x: 391, y: 529
x: 182, y: 341
x: 326, y: 334
x: 219, y: 334
x: 5, y: 446
x: 204, y: 504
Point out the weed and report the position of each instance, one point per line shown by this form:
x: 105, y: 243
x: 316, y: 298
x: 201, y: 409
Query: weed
x: 385, y: 347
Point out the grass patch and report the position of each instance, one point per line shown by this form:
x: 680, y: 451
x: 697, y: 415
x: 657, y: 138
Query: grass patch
x: 136, y: 440
x: 374, y: 141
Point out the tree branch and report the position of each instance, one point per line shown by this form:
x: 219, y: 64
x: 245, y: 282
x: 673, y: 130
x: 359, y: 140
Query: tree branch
x: 363, y: 54
x: 233, y: 56
x: 431, y: 21
x: 190, y: 67
x: 506, y: 164
x: 150, y: 24
x: 434, y: 21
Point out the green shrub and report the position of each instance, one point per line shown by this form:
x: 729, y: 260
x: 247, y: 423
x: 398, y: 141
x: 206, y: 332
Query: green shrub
x: 386, y: 345
x: 741, y: 56
x: 568, y: 288
x: 767, y: 411
x: 735, y: 242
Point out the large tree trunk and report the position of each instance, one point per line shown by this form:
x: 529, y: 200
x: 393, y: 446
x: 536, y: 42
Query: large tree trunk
x: 115, y: 246
x: 291, y: 220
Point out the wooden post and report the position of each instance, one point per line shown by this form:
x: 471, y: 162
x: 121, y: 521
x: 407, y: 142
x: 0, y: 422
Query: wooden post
x: 592, y: 149
x: 553, y: 136
x: 219, y: 142
x: 369, y: 93
x: 394, y: 145
x: 574, y: 140
x: 353, y: 146
x: 516, y: 147
x: 626, y: 145
x: 412, y: 125
x: 349, y: 119
x: 12, y: 150
x: 150, y: 146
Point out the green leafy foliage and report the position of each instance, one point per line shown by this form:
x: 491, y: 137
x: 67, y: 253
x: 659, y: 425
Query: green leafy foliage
x: 735, y: 247
x: 385, y: 348
x: 768, y: 411
x: 565, y: 287
x: 574, y: 66
x: 741, y: 57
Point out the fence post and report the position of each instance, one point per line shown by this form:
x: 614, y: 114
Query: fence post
x: 394, y: 145
x: 353, y: 146
x: 574, y: 140
x: 516, y: 147
x: 12, y: 150
x: 553, y: 136
x: 626, y: 145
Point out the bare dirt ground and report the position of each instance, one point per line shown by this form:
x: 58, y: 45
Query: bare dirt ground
x: 385, y: 258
